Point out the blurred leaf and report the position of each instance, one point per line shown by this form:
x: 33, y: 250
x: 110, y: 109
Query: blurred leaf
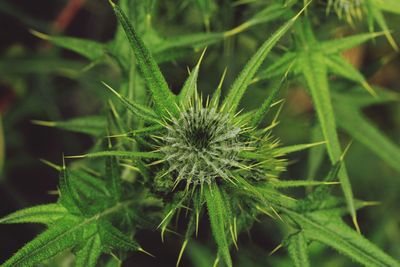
x: 297, y: 247
x: 245, y: 77
x: 217, y: 215
x: 360, y: 128
x: 92, y: 125
x: 46, y: 214
x: 87, y: 256
x: 87, y: 48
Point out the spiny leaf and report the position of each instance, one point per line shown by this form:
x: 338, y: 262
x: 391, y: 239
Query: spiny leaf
x: 278, y: 67
x: 87, y: 256
x: 266, y: 105
x: 315, y: 73
x: 333, y: 232
x: 296, y: 148
x: 124, y: 154
x: 216, y: 213
x: 141, y: 111
x: 114, y: 238
x: 362, y: 130
x: 87, y: 48
x: 316, y: 154
x: 92, y: 125
x: 46, y: 214
x: 339, y: 45
x: 189, y: 88
x: 380, y: 20
x: 246, y: 75
x: 297, y: 247
x: 63, y: 235
x: 113, y: 179
x: 297, y: 183
x: 340, y: 66
x: 270, y: 13
x: 155, y: 81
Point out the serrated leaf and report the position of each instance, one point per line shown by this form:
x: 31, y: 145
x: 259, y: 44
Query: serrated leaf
x: 336, y: 46
x: 87, y: 48
x: 297, y: 247
x: 315, y: 73
x: 92, y: 125
x: 88, y: 255
x: 266, y: 105
x: 332, y: 232
x: 113, y: 179
x: 46, y: 214
x: 361, y: 129
x: 163, y: 98
x: 278, y: 67
x: 122, y: 154
x: 63, y: 235
x: 247, y: 74
x: 67, y: 195
x: 315, y: 154
x: 296, y: 148
x: 115, y: 239
x: 342, y: 67
x: 216, y: 213
x: 190, y: 85
x: 297, y: 183
x: 141, y: 111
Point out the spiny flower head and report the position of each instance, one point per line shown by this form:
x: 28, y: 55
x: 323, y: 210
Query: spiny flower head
x: 347, y: 9
x: 204, y: 144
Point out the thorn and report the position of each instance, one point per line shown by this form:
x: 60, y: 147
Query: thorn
x: 39, y: 34
x: 51, y: 164
x: 345, y: 150
x: 44, y: 123
x: 146, y: 252
x: 355, y: 222
x: 181, y: 252
x: 111, y: 3
x: 276, y: 249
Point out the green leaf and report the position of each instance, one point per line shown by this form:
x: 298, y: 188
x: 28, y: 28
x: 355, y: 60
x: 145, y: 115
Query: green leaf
x: 266, y: 105
x: 278, y: 67
x: 87, y: 48
x: 155, y: 81
x: 332, y: 232
x: 380, y: 20
x: 316, y: 154
x: 247, y: 74
x: 338, y: 65
x: 65, y: 234
x: 297, y: 247
x: 141, y: 111
x: 113, y: 178
x: 190, y: 86
x: 296, y: 148
x: 87, y: 256
x: 216, y: 213
x: 297, y: 183
x: 389, y: 5
x: 114, y: 238
x: 46, y: 214
x: 207, y: 7
x: 123, y: 154
x: 92, y: 125
x: 314, y: 70
x: 362, y: 130
x: 339, y: 45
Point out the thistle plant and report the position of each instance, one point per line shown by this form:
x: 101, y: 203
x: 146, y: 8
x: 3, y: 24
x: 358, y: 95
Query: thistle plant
x: 158, y: 154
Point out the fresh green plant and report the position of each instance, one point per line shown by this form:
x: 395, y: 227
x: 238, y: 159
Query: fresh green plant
x: 157, y: 154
